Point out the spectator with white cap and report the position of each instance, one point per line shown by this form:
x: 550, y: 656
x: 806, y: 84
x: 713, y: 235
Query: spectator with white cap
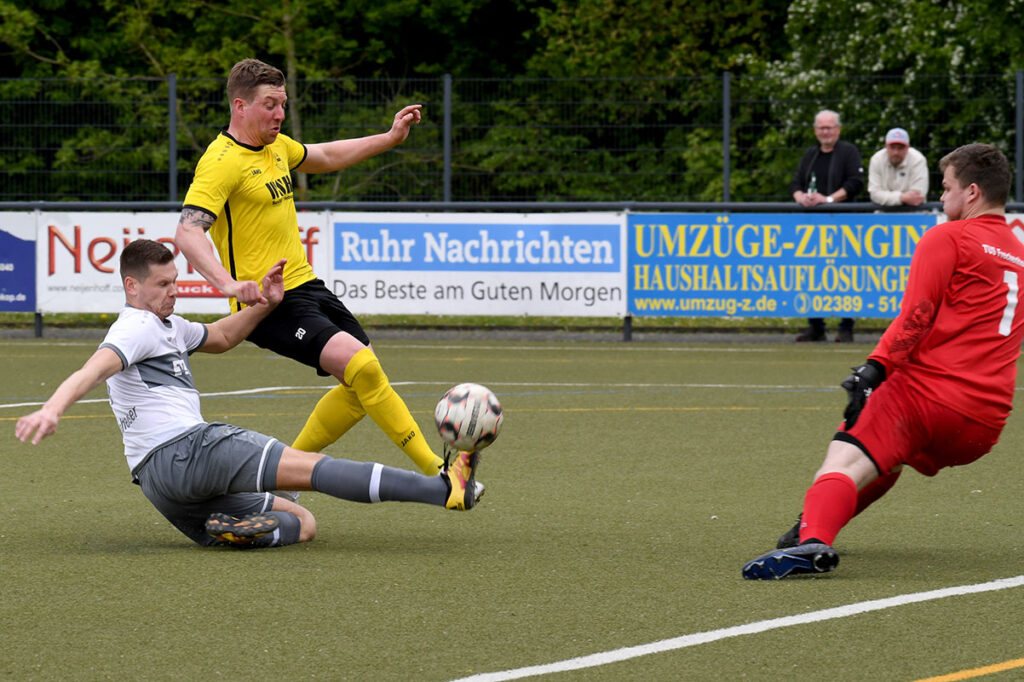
x: 898, y: 173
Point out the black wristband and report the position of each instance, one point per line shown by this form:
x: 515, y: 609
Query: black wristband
x: 878, y: 367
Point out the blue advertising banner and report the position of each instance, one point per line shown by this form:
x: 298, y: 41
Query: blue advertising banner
x: 18, y: 263
x: 770, y: 265
x: 476, y: 247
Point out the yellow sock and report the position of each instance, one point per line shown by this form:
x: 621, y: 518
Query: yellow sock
x: 337, y: 412
x: 365, y: 375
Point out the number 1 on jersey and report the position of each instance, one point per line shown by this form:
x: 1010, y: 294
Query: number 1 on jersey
x: 1010, y: 278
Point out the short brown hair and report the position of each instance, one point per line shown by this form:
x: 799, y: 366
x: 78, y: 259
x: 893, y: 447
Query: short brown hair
x: 982, y: 165
x: 140, y: 254
x: 249, y: 74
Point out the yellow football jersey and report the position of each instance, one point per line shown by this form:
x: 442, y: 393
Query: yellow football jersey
x: 249, y: 192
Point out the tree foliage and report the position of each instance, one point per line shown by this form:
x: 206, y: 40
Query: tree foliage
x: 942, y: 69
x: 553, y: 99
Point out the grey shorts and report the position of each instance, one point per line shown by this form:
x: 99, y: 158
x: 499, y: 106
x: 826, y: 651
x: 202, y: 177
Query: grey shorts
x: 212, y: 468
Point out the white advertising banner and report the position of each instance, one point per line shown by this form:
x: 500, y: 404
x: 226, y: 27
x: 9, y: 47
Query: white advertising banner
x: 77, y: 256
x: 555, y: 264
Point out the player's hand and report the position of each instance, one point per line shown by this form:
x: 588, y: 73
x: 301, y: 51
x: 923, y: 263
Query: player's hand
x: 404, y: 120
x: 248, y: 292
x: 859, y: 386
x: 808, y: 199
x: 912, y: 198
x: 42, y: 423
x: 273, y: 283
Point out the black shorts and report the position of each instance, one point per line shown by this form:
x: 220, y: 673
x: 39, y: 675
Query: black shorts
x: 302, y: 324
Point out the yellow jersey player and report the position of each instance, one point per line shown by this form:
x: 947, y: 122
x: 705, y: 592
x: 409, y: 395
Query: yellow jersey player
x: 242, y: 194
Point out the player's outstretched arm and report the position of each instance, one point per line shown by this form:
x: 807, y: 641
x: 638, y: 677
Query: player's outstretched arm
x: 228, y: 332
x: 190, y: 237
x: 103, y: 364
x: 334, y: 156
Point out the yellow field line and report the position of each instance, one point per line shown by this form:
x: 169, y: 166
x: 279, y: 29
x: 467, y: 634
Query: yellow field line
x: 977, y: 672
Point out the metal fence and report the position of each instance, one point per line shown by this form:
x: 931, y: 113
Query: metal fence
x: 721, y: 138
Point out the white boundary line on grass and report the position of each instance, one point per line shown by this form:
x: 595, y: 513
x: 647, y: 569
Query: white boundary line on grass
x: 617, y: 655
x: 711, y: 346
x: 534, y: 384
x: 245, y: 391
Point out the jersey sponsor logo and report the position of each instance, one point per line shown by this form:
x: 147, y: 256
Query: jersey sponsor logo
x: 128, y: 419
x: 180, y: 368
x: 171, y: 369
x: 280, y: 188
x: 256, y: 171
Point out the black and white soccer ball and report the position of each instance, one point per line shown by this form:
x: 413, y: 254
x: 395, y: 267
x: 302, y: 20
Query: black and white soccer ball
x: 468, y: 417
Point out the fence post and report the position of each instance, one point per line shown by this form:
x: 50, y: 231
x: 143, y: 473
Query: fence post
x: 447, y: 137
x: 172, y: 136
x: 726, y: 133
x: 1019, y: 117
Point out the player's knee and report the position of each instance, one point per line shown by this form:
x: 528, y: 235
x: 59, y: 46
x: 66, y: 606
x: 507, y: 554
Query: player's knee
x: 338, y: 355
x: 307, y: 525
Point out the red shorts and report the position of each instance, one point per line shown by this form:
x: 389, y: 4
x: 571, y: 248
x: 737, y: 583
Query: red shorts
x: 900, y: 426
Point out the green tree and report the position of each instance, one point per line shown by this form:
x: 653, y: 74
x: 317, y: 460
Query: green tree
x: 942, y: 69
x: 646, y: 125
x: 324, y: 47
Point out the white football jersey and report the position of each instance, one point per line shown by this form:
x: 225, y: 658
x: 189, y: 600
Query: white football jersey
x: 153, y: 396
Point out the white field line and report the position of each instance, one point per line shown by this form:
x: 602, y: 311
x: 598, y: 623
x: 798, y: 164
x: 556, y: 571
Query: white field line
x: 528, y: 384
x: 617, y: 655
x: 246, y: 391
x: 711, y: 346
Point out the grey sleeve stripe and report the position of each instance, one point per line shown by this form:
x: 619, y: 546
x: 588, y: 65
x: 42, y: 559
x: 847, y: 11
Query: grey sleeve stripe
x: 263, y: 464
x: 124, y: 360
x: 202, y: 342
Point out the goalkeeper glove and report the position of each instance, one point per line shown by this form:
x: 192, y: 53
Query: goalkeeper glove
x: 859, y: 385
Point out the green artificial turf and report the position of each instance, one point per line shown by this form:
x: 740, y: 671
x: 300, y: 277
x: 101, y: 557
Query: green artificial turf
x: 629, y: 485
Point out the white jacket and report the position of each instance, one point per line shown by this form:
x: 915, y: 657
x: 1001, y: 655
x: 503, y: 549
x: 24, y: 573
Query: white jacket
x: 886, y: 182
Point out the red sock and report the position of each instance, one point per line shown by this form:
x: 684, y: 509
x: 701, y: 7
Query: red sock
x: 874, y: 490
x: 828, y: 506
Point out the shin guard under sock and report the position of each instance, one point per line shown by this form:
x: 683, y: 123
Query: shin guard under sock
x: 373, y: 482
x: 828, y: 506
x: 336, y: 412
x: 366, y: 377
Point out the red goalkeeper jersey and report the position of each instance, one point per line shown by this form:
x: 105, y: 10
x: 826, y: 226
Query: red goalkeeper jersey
x: 958, y: 335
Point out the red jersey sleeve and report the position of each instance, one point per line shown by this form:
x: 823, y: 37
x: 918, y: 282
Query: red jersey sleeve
x: 931, y: 270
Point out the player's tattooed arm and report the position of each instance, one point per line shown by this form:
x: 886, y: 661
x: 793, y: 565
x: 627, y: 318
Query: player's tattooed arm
x: 191, y: 238
x: 193, y: 217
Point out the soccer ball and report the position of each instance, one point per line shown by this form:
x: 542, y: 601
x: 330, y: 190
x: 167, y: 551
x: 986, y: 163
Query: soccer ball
x: 468, y: 417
